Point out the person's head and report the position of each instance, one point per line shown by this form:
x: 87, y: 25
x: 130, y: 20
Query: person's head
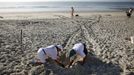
x: 72, y: 54
x: 71, y: 7
x: 38, y: 47
x: 131, y: 9
x: 84, y: 44
x: 59, y: 47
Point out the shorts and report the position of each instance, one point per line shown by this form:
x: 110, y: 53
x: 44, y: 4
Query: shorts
x: 85, y: 50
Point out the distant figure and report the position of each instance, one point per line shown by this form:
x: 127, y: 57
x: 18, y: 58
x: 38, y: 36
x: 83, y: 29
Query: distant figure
x: 51, y: 51
x: 129, y: 12
x: 79, y: 49
x: 72, y: 12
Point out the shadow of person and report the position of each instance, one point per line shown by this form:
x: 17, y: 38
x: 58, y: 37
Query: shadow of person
x: 96, y: 66
x: 92, y: 66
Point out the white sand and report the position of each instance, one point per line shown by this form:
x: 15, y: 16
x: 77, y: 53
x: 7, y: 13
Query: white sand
x: 48, y: 15
x: 106, y: 31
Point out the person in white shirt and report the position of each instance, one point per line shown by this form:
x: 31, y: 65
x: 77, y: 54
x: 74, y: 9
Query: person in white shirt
x: 78, y: 49
x: 52, y: 52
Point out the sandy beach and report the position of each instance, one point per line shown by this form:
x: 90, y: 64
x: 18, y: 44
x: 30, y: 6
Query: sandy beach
x: 105, y: 31
x: 52, y: 15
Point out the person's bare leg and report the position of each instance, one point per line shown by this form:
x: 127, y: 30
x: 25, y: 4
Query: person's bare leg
x: 83, y: 61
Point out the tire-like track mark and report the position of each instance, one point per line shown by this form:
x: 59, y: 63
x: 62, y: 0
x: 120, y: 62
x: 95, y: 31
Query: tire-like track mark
x: 81, y: 31
x: 84, y: 32
x: 88, y: 33
x: 71, y: 38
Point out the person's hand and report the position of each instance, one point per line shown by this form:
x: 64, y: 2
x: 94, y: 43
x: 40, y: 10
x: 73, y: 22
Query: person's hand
x: 32, y: 62
x: 67, y: 66
x: 80, y: 62
x: 91, y: 49
x: 62, y: 65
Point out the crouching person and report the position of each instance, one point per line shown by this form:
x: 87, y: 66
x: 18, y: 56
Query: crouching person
x: 79, y: 49
x: 52, y: 52
x: 129, y: 12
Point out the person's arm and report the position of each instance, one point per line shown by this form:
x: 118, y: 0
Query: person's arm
x: 59, y: 63
x: 71, y: 60
x: 70, y: 63
x: 33, y: 62
x: 83, y: 61
x: 38, y: 63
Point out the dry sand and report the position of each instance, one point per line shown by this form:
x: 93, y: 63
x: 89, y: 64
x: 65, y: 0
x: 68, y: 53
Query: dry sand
x: 50, y: 15
x: 106, y: 31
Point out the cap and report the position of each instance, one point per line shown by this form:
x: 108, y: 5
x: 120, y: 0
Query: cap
x: 59, y: 46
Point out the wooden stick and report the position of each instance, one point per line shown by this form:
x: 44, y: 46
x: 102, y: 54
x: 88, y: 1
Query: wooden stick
x: 21, y: 40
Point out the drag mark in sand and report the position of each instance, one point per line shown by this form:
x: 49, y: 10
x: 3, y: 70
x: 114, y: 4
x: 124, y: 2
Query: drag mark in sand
x: 88, y: 32
x: 85, y: 32
x: 71, y: 38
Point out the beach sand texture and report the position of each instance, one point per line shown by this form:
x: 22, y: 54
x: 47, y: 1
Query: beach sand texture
x: 113, y: 54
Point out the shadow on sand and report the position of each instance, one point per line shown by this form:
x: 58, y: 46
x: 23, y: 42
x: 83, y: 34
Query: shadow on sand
x: 93, y: 66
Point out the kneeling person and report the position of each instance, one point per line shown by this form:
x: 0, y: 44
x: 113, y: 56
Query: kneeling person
x: 78, y: 49
x: 52, y: 52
